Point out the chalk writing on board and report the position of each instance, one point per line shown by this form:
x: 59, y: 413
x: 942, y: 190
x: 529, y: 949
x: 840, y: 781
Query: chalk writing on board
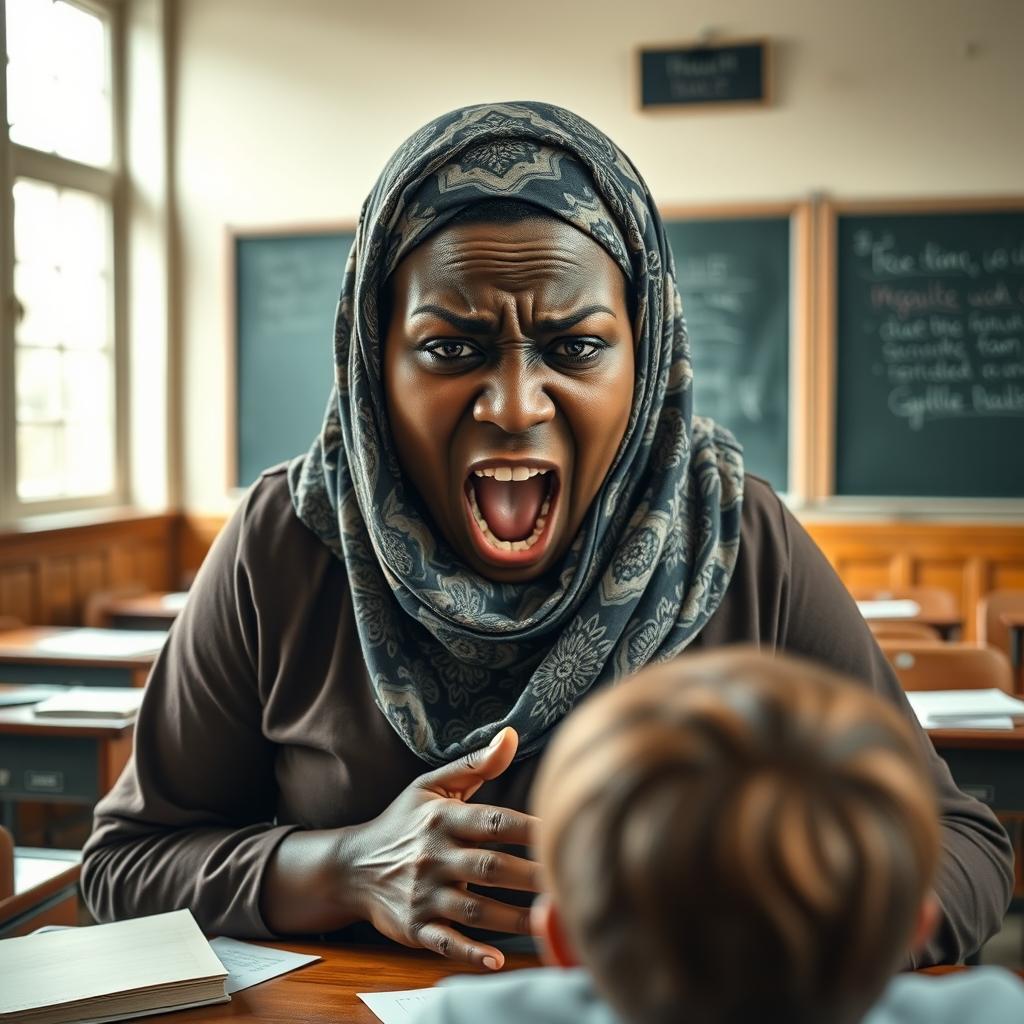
x: 949, y: 327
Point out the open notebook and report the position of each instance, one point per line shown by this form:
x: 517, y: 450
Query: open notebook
x: 109, y: 972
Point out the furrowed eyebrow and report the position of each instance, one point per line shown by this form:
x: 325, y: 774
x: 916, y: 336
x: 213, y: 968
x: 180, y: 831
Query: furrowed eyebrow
x: 565, y: 322
x: 469, y: 324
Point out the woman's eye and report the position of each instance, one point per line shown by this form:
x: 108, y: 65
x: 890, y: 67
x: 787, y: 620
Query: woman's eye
x: 449, y: 351
x: 577, y: 350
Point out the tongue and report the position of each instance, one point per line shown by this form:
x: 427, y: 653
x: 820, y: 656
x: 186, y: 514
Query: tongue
x: 510, y: 507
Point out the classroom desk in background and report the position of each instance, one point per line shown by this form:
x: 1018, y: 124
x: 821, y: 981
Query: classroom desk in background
x: 986, y: 763
x: 73, y: 656
x: 45, y: 891
x: 156, y: 610
x: 58, y: 759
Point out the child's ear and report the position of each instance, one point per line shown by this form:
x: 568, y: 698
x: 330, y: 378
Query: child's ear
x: 927, y: 922
x: 546, y: 923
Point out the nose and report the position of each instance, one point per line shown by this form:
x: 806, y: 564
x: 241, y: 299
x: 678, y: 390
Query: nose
x: 513, y: 397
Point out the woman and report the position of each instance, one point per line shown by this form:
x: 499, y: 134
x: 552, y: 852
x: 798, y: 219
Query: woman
x: 510, y: 504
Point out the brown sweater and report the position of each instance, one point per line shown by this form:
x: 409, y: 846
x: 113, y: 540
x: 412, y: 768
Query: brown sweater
x: 258, y: 719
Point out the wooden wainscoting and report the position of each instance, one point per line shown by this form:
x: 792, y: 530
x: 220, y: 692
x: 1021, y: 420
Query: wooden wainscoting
x: 47, y: 575
x: 970, y: 559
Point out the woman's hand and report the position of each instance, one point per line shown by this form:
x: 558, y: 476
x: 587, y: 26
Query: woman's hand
x: 411, y: 864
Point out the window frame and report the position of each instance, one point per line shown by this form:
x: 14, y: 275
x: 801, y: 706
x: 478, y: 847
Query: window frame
x: 17, y: 161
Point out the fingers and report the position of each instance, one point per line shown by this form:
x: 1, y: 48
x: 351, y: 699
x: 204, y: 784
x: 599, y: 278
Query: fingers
x: 462, y: 778
x: 461, y: 906
x: 495, y: 870
x: 450, y: 942
x: 483, y: 823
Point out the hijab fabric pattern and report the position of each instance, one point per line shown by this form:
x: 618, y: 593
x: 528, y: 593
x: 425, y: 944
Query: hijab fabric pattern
x: 452, y: 656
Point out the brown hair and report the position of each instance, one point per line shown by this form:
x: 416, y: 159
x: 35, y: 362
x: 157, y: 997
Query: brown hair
x: 732, y: 837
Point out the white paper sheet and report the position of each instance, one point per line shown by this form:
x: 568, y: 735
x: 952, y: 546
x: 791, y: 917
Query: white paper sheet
x: 398, y: 1007
x: 174, y: 602
x: 965, y: 709
x: 248, y: 965
x: 889, y: 609
x: 104, y: 643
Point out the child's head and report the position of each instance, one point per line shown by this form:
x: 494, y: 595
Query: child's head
x: 737, y: 836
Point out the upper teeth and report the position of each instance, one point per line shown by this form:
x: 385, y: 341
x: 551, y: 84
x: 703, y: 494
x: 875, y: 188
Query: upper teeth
x: 510, y: 472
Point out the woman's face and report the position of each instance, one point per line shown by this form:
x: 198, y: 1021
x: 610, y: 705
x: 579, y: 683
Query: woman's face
x: 508, y: 366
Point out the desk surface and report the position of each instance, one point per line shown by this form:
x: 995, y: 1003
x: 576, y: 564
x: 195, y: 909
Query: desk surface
x: 160, y: 606
x: 21, y: 647
x: 979, y: 739
x: 325, y: 992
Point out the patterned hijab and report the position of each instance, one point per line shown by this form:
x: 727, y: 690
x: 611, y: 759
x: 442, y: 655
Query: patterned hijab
x: 452, y: 656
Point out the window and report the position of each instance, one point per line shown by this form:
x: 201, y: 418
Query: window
x: 63, y: 415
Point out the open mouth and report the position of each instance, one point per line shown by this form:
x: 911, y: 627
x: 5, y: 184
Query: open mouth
x: 511, y: 506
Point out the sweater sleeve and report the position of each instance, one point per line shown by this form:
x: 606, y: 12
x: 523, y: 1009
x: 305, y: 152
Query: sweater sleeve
x: 190, y: 823
x: 974, y: 882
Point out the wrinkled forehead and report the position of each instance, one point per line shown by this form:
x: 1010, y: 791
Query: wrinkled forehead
x: 549, y: 178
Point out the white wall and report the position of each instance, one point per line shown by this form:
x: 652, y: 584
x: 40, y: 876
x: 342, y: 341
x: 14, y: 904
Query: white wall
x: 287, y: 111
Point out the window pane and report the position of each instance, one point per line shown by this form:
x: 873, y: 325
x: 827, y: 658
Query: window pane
x: 36, y: 287
x: 58, y: 79
x: 40, y: 455
x: 83, y: 311
x: 81, y: 232
x: 89, y: 459
x: 88, y: 396
x: 36, y: 222
x: 39, y: 385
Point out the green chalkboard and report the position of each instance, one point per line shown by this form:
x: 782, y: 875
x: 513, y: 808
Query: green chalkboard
x: 734, y: 278
x: 930, y: 354
x: 286, y: 290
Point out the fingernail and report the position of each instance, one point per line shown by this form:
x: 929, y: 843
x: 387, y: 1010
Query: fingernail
x: 490, y: 963
x: 496, y: 740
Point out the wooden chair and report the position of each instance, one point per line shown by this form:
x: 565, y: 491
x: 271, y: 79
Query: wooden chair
x: 888, y: 629
x: 6, y: 864
x: 951, y: 666
x: 991, y: 628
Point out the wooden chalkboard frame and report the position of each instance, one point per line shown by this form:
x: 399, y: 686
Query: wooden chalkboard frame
x: 722, y: 106
x: 232, y: 236
x: 801, y: 217
x: 823, y: 385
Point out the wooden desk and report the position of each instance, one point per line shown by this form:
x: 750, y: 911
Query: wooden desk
x: 22, y: 661
x: 58, y: 759
x: 986, y: 763
x: 325, y: 992
x: 45, y: 891
x: 156, y: 610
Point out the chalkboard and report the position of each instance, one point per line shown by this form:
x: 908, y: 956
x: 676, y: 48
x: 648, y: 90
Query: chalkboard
x: 734, y: 278
x: 735, y: 72
x: 286, y: 290
x: 930, y: 354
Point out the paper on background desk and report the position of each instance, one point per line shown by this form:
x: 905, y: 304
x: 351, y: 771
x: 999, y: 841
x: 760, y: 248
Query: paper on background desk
x: 104, y: 643
x: 889, y: 609
x: 248, y: 965
x: 398, y: 1007
x: 965, y: 709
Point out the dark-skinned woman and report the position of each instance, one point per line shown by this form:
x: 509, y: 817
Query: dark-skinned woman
x: 510, y: 505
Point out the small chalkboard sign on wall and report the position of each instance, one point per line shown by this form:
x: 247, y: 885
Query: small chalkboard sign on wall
x: 928, y: 321
x: 742, y: 273
x: 728, y: 73
x: 285, y: 284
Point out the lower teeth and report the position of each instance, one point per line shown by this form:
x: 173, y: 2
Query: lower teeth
x: 509, y: 545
